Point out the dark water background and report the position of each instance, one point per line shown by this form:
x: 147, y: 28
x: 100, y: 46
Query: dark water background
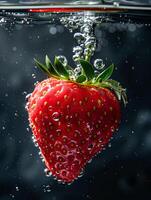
x: 122, y: 171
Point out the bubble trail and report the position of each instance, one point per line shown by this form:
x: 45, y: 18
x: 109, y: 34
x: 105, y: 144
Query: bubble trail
x: 83, y: 28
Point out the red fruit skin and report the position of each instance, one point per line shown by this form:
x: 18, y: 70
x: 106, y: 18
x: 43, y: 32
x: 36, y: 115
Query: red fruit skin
x: 71, y: 123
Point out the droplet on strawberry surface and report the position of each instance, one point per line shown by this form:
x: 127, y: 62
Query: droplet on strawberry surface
x: 48, y: 173
x: 56, y: 116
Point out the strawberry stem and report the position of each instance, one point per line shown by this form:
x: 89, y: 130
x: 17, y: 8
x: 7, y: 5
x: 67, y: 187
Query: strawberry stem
x: 87, y: 76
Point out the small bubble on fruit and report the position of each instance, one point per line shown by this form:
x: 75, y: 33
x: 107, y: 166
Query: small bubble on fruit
x: 56, y: 116
x: 81, y: 174
x: 34, y: 76
x: 36, y: 144
x: 47, y: 172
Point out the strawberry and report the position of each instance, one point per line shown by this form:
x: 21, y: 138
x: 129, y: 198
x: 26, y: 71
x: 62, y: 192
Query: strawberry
x: 73, y: 117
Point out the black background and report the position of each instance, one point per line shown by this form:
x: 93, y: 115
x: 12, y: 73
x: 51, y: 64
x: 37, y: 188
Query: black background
x: 123, y: 170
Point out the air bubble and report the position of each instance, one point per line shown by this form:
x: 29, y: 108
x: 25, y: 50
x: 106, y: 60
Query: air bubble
x: 34, y: 76
x: 47, y: 188
x: 98, y: 64
x: 77, y: 50
x: 17, y: 188
x: 24, y: 93
x: 36, y: 144
x: 79, y: 37
x: 77, y: 70
x: 53, y: 30
x: 56, y: 116
x: 109, y: 145
x: 47, y: 172
x: 27, y: 96
x: 63, y: 60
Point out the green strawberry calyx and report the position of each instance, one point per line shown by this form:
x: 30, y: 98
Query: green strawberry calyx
x: 86, y: 76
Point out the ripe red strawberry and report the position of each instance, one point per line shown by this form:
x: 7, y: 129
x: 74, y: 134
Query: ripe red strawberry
x: 73, y: 120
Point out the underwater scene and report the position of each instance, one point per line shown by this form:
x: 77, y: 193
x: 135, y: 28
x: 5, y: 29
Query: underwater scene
x: 75, y: 103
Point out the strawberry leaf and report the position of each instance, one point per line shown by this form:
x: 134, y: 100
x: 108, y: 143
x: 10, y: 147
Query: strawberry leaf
x: 117, y: 88
x: 50, y: 66
x: 81, y: 78
x: 106, y: 74
x: 42, y: 67
x: 88, y: 70
x: 60, y: 68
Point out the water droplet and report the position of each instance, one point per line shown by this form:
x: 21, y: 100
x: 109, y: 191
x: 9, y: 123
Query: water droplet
x: 56, y: 116
x: 98, y: 64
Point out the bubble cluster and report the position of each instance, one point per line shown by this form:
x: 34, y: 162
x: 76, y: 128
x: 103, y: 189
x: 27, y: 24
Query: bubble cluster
x: 46, y: 188
x: 84, y: 36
